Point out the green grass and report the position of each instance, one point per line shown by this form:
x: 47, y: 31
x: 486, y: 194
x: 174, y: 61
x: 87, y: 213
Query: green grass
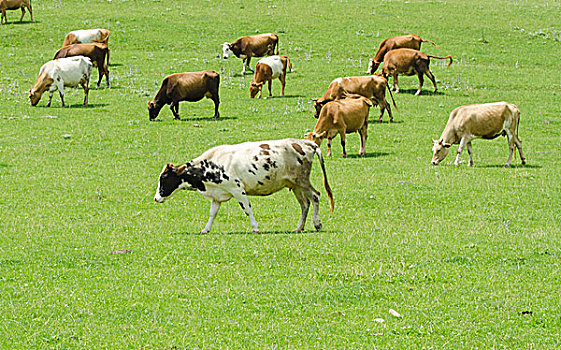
x: 469, y: 256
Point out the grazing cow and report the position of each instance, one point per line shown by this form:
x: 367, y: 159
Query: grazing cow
x: 372, y: 86
x: 342, y: 117
x: 410, y: 41
x: 266, y: 70
x: 85, y: 36
x: 249, y: 169
x: 409, y: 62
x: 192, y: 87
x: 56, y: 74
x: 14, y: 5
x: 247, y: 47
x: 96, y: 52
x: 486, y: 121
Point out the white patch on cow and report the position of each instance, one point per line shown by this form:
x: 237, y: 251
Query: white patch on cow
x: 370, y: 66
x: 275, y: 63
x: 226, y: 52
x: 338, y: 80
x: 87, y: 35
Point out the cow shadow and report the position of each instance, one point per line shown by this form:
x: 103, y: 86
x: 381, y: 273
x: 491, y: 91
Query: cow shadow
x: 90, y: 105
x: 410, y: 91
x: 375, y: 121
x: 272, y: 232
x: 195, y: 119
x: 369, y: 155
x: 22, y: 22
x: 115, y: 65
x: 512, y: 166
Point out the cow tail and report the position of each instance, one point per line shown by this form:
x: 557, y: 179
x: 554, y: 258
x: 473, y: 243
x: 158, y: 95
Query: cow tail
x: 443, y: 58
x: 391, y: 95
x: 325, y: 183
x: 289, y: 64
x: 428, y: 41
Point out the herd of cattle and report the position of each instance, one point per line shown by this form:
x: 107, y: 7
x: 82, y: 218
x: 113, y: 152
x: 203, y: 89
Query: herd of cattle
x: 263, y: 168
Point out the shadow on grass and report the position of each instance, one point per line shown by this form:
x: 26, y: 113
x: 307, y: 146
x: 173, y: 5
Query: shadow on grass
x: 375, y: 121
x: 90, y: 105
x: 413, y: 91
x: 115, y: 65
x: 369, y: 155
x: 193, y: 119
x: 512, y: 166
x: 3, y: 165
x: 16, y: 22
x: 277, y: 232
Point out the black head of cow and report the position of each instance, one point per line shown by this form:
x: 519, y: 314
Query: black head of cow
x: 318, y: 105
x: 173, y: 178
x: 153, y: 109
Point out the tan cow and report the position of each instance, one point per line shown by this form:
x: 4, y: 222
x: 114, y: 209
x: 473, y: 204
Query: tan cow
x: 486, y: 121
x: 250, y: 46
x: 342, y: 117
x: 409, y: 62
x: 266, y: 70
x: 410, y: 41
x: 85, y: 36
x: 372, y: 86
x: 96, y: 53
x: 14, y: 5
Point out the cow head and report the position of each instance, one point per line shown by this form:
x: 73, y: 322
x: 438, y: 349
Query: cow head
x: 153, y: 109
x: 318, y: 105
x: 255, y: 88
x: 173, y: 178
x: 34, y: 96
x: 372, y: 66
x: 439, y: 151
x: 227, y: 50
x: 317, y: 138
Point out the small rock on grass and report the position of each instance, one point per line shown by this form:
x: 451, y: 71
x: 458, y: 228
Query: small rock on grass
x: 395, y: 313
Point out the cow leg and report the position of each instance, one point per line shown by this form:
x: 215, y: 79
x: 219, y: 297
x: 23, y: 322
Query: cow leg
x: 463, y: 143
x: 519, y: 147
x: 282, y: 78
x: 470, y: 155
x: 106, y: 74
x: 363, y: 132
x: 22, y: 14
x: 328, y: 147
x: 510, y: 138
x: 315, y: 204
x: 421, y: 80
x: 50, y: 97
x: 432, y: 79
x: 214, y: 206
x: 241, y: 197
x: 216, y: 101
x: 30, y: 11
x: 304, y: 205
x: 108, y: 53
x: 248, y: 66
x: 387, y: 104
x: 343, y: 143
x: 243, y: 65
x: 174, y: 106
x: 85, y: 85
x: 395, y: 83
x: 270, y: 84
x: 101, y: 72
x: 2, y: 17
x: 61, y: 97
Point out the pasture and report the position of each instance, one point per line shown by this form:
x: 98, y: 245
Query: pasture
x: 470, y: 257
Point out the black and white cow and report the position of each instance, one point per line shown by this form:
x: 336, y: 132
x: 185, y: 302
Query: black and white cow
x: 249, y: 169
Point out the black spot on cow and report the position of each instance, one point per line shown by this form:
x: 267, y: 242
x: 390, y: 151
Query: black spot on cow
x: 266, y: 166
x: 259, y: 182
x: 251, y: 171
x: 255, y: 158
x: 254, y: 166
x: 268, y: 177
x: 243, y: 193
x: 241, y: 205
x: 299, y: 160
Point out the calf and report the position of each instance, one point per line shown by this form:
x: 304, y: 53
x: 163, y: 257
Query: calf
x: 266, y: 70
x: 372, y: 86
x: 14, y: 5
x: 409, y: 62
x: 56, y: 74
x: 96, y: 52
x: 342, y: 117
x: 247, y: 47
x: 249, y: 169
x: 85, y: 36
x: 410, y: 41
x: 192, y: 87
x: 486, y: 121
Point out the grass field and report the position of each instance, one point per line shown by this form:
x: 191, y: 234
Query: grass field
x: 470, y: 257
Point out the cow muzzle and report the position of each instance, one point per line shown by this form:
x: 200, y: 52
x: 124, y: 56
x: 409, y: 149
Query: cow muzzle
x: 159, y: 199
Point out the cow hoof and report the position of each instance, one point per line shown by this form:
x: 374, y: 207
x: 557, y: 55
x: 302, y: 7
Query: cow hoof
x: 176, y: 118
x: 203, y: 232
x: 418, y: 93
x: 318, y: 227
x: 255, y: 231
x: 298, y: 230
x: 507, y: 165
x: 470, y: 164
x: 344, y: 156
x: 523, y: 161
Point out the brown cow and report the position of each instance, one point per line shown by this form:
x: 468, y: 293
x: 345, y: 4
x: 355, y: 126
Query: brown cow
x: 192, y: 87
x: 410, y: 41
x: 14, y: 5
x: 409, y: 62
x: 85, y: 36
x: 95, y: 51
x: 372, y: 86
x: 266, y: 70
x: 252, y: 46
x: 486, y: 121
x: 342, y: 117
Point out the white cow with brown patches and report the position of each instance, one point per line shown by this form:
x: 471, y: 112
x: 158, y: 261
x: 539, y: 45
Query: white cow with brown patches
x: 486, y: 121
x: 249, y: 169
x: 56, y: 74
x: 85, y: 36
x: 266, y: 70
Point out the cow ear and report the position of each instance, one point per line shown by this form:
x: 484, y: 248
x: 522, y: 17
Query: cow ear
x: 368, y: 102
x: 169, y: 166
x: 181, y: 169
